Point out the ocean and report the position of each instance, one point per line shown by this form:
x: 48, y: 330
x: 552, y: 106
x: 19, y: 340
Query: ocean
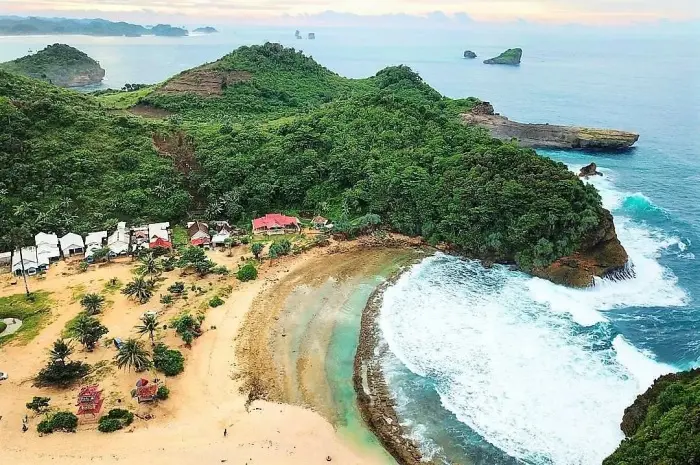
x: 490, y: 365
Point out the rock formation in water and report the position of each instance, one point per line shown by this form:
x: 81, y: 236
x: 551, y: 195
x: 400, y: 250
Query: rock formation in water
x: 589, y: 170
x: 601, y: 254
x: 547, y: 135
x: 511, y: 57
x: 469, y: 54
x: 312, y: 36
x: 297, y: 34
x: 206, y: 30
x: 59, y: 64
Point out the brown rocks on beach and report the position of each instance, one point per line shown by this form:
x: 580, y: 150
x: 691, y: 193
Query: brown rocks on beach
x: 589, y: 170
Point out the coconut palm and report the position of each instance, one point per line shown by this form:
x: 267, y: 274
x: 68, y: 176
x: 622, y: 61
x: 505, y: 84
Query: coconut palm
x: 88, y: 330
x: 149, y: 325
x: 133, y: 355
x: 140, y: 289
x: 150, y: 266
x: 60, y: 351
x: 92, y: 303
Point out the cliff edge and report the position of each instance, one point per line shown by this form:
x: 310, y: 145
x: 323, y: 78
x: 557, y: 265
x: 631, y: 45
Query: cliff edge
x: 601, y: 255
x: 59, y: 64
x: 548, y: 135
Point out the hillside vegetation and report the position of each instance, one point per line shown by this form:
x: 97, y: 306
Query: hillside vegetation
x: 287, y: 134
x: 58, y: 64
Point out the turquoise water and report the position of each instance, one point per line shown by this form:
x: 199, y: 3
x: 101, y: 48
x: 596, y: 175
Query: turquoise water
x: 491, y: 366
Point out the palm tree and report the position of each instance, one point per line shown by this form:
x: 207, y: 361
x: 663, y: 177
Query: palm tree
x: 61, y: 350
x: 133, y: 355
x: 17, y: 238
x: 140, y: 289
x: 149, y: 326
x: 150, y: 265
x: 88, y: 330
x: 92, y: 303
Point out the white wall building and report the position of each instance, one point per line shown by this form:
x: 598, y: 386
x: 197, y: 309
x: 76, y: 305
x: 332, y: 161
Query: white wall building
x: 47, y: 246
x: 72, y: 244
x: 33, y: 263
x: 94, y: 241
x: 158, y: 230
x: 118, y: 242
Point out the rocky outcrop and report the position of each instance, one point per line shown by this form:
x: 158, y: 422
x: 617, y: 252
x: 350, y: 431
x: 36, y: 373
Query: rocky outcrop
x: 203, y: 82
x: 297, y: 34
x: 601, y: 254
x: 511, y: 57
x: 548, y: 135
x: 589, y: 170
x: 312, y: 36
x: 469, y: 54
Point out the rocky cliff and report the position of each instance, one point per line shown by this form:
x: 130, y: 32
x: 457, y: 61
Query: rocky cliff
x: 469, y: 54
x: 511, y: 57
x: 548, y: 135
x: 59, y: 64
x: 601, y: 254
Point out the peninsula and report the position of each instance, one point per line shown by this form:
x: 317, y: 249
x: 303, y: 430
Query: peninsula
x: 21, y: 26
x: 547, y: 135
x: 59, y: 64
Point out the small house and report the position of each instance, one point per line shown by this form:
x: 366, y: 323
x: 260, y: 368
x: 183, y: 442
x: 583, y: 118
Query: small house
x: 94, y: 241
x: 199, y: 234
x: 72, y: 244
x: 139, y: 238
x: 118, y: 241
x: 47, y: 246
x: 319, y: 222
x: 276, y: 223
x: 160, y: 242
x: 159, y: 231
x: 32, y: 262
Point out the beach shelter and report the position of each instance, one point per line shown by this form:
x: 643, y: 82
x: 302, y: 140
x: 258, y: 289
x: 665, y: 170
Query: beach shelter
x: 146, y: 391
x: 89, y: 400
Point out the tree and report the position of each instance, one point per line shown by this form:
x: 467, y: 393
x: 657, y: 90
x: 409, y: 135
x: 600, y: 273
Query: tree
x: 168, y: 361
x: 247, y: 272
x: 60, y: 351
x: 39, y: 404
x: 257, y: 249
x: 188, y: 328
x: 16, y: 239
x: 140, y: 289
x: 149, y: 265
x: 101, y: 254
x: 133, y: 355
x: 88, y: 330
x: 149, y: 325
x: 92, y: 303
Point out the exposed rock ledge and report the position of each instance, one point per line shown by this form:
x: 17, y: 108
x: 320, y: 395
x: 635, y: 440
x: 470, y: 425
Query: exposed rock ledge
x: 601, y: 255
x: 547, y: 135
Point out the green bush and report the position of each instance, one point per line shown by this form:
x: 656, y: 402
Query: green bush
x: 163, y: 393
x: 115, y: 420
x: 59, y: 421
x: 39, y: 404
x: 62, y: 374
x: 177, y: 288
x: 108, y: 425
x: 168, y: 361
x: 221, y: 270
x: 166, y: 299
x: 280, y: 248
x: 3, y: 326
x: 83, y: 266
x: 216, y: 301
x: 247, y: 272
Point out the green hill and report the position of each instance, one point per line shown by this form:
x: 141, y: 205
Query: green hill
x: 266, y: 128
x: 58, y: 64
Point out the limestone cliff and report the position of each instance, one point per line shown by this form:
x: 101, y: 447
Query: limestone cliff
x: 548, y: 135
x: 601, y: 254
x: 59, y: 64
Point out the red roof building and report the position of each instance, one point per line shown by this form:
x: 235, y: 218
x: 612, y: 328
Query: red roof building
x: 89, y: 400
x: 275, y: 223
x: 160, y: 242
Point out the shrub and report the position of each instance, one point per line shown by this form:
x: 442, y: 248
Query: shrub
x: 187, y: 327
x: 115, y: 420
x: 245, y: 240
x: 62, y: 374
x: 60, y: 421
x: 83, y: 266
x: 168, y: 361
x: 163, y: 393
x: 108, y: 425
x: 280, y: 248
x: 177, y: 288
x: 221, y: 269
x: 257, y: 249
x: 216, y: 301
x: 247, y: 272
x: 166, y: 299
x: 3, y: 326
x: 39, y: 404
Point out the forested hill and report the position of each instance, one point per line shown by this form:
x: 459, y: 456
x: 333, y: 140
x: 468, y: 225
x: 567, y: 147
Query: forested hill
x: 15, y: 25
x: 59, y: 64
x: 276, y: 131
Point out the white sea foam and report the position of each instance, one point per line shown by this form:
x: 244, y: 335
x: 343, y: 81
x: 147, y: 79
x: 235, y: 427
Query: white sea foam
x: 527, y: 364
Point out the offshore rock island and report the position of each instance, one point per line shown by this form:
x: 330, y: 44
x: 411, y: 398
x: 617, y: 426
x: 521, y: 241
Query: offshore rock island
x: 59, y: 64
x: 547, y: 135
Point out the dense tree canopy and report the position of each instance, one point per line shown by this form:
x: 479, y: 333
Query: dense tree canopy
x: 292, y: 136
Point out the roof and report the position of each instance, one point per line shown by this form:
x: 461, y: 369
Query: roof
x: 28, y: 254
x: 220, y: 237
x: 197, y: 226
x: 95, y: 237
x: 319, y: 220
x: 71, y: 241
x: 274, y: 220
x: 46, y: 238
x: 147, y: 392
x: 158, y: 230
x: 119, y: 236
x: 160, y: 242
x: 201, y: 241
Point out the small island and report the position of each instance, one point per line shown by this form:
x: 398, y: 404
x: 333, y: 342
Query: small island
x: 312, y: 36
x: 206, y: 30
x: 469, y: 54
x: 511, y: 57
x: 23, y: 26
x: 59, y: 64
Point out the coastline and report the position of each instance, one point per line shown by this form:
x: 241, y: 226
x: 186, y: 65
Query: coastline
x: 374, y: 399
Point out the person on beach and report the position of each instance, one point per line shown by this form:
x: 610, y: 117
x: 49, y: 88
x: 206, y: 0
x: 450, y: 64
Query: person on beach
x: 225, y: 432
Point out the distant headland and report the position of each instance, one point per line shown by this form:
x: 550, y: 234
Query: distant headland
x: 20, y: 26
x: 206, y: 30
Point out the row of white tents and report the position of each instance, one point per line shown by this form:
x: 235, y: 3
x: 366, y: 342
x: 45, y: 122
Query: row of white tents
x: 46, y: 249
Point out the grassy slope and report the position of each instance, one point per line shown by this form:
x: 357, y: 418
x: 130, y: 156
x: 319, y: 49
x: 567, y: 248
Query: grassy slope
x: 33, y: 313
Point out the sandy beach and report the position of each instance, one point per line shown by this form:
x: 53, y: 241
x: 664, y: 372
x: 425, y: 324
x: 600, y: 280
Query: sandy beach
x: 208, y: 397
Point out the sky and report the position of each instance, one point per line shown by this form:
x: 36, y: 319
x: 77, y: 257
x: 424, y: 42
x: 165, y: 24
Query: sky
x: 594, y: 12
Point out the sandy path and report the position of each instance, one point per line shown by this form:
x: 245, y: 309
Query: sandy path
x: 204, y: 400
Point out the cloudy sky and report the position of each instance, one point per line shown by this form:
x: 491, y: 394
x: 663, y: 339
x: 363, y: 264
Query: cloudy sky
x: 557, y: 11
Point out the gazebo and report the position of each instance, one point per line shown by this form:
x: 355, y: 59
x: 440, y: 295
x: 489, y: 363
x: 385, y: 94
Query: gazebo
x: 90, y: 400
x: 146, y: 391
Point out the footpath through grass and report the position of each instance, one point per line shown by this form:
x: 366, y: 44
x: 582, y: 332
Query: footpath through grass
x: 33, y: 311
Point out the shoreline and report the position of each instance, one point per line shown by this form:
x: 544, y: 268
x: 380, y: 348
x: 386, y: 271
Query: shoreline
x: 374, y: 400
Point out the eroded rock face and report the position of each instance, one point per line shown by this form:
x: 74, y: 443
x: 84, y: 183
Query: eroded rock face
x: 203, y: 82
x: 548, y: 135
x: 589, y: 170
x: 86, y: 78
x: 601, y: 254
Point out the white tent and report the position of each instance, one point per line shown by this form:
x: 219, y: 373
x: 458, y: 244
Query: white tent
x: 47, y: 246
x: 118, y: 242
x: 32, y: 261
x: 72, y: 244
x: 220, y: 238
x: 94, y: 241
